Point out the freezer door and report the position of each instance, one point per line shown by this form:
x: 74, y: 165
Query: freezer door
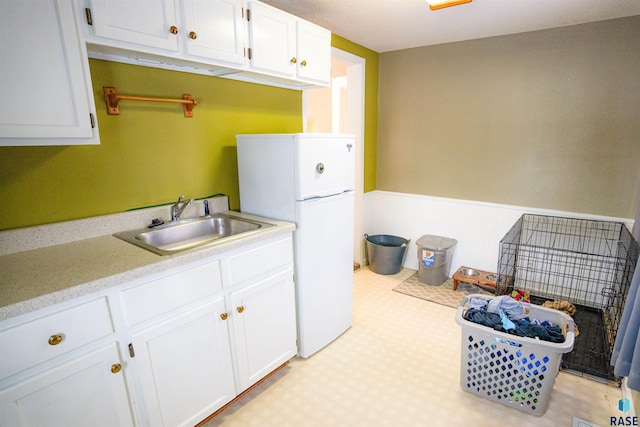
x: 266, y: 174
x: 325, y: 165
x: 323, y: 243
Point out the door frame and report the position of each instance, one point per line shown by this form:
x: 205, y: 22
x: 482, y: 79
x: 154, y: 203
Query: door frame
x: 355, y: 66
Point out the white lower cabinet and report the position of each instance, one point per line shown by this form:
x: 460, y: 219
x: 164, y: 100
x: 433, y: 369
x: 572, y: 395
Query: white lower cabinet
x: 185, y: 366
x: 191, y: 362
x: 264, y: 323
x: 192, y: 339
x: 46, y: 337
x: 88, y: 390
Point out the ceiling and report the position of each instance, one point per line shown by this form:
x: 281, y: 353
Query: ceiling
x: 387, y: 25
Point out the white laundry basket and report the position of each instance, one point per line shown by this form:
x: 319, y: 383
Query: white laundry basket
x: 518, y: 372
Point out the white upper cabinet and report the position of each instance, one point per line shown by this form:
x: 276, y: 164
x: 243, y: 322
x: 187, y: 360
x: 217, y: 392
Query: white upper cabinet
x: 201, y: 31
x: 215, y: 29
x: 256, y: 43
x: 143, y: 22
x: 45, y: 88
x: 272, y: 37
x: 287, y: 46
x: 313, y: 53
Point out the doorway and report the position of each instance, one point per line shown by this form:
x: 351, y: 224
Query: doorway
x: 339, y: 108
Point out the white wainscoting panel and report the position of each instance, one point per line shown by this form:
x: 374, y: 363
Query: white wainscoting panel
x: 477, y: 226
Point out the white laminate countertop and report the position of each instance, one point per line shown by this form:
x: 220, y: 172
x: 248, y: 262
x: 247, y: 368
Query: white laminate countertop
x: 35, y: 278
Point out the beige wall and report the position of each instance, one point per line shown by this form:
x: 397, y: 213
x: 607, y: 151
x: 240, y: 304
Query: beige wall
x: 547, y: 119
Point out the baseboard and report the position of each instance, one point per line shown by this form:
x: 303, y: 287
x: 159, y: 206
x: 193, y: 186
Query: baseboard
x: 628, y: 394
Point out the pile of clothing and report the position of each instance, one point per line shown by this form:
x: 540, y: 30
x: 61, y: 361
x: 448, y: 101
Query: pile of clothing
x: 505, y: 314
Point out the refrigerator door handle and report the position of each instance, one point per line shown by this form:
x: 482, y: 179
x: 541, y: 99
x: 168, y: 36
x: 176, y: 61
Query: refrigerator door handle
x: 345, y: 193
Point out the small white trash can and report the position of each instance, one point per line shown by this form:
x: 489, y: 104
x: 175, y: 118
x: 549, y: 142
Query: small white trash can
x: 434, y: 258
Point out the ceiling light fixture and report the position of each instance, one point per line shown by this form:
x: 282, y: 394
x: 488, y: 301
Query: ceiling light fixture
x: 440, y: 4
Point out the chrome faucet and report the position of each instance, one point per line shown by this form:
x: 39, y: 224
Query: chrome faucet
x: 177, y: 209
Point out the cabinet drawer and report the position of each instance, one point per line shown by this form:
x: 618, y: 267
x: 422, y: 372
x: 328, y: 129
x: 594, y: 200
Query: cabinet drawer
x: 264, y: 259
x: 159, y: 296
x: 39, y: 340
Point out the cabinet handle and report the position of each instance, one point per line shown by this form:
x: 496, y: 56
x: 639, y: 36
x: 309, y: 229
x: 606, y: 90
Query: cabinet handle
x: 192, y: 35
x: 240, y: 309
x: 115, y: 368
x: 304, y: 63
x: 55, y: 339
x: 224, y: 316
x: 173, y: 29
x: 293, y: 60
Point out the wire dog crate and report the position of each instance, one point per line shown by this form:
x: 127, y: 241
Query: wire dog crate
x: 586, y: 262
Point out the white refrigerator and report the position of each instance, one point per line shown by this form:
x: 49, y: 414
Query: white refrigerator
x: 308, y: 179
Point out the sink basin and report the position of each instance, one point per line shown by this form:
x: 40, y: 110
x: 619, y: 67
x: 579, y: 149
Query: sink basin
x: 187, y: 234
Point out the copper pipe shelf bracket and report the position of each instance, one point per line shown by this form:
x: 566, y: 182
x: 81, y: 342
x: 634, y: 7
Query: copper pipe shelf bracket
x: 112, y: 98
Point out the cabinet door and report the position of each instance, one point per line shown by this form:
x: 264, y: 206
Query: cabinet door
x: 89, y: 390
x: 143, y: 22
x: 272, y: 36
x: 313, y: 53
x: 185, y: 366
x: 214, y: 29
x: 45, y: 85
x: 264, y: 323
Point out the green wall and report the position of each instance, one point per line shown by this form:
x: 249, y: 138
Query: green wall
x: 370, y: 106
x: 150, y: 154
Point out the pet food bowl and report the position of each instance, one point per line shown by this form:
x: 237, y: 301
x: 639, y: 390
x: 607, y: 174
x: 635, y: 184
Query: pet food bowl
x: 469, y: 272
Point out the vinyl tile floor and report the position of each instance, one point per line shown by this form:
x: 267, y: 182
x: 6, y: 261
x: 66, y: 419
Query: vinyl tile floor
x: 399, y: 365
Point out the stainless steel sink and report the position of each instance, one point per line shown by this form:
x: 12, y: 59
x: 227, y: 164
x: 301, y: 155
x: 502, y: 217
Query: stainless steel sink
x: 187, y: 234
